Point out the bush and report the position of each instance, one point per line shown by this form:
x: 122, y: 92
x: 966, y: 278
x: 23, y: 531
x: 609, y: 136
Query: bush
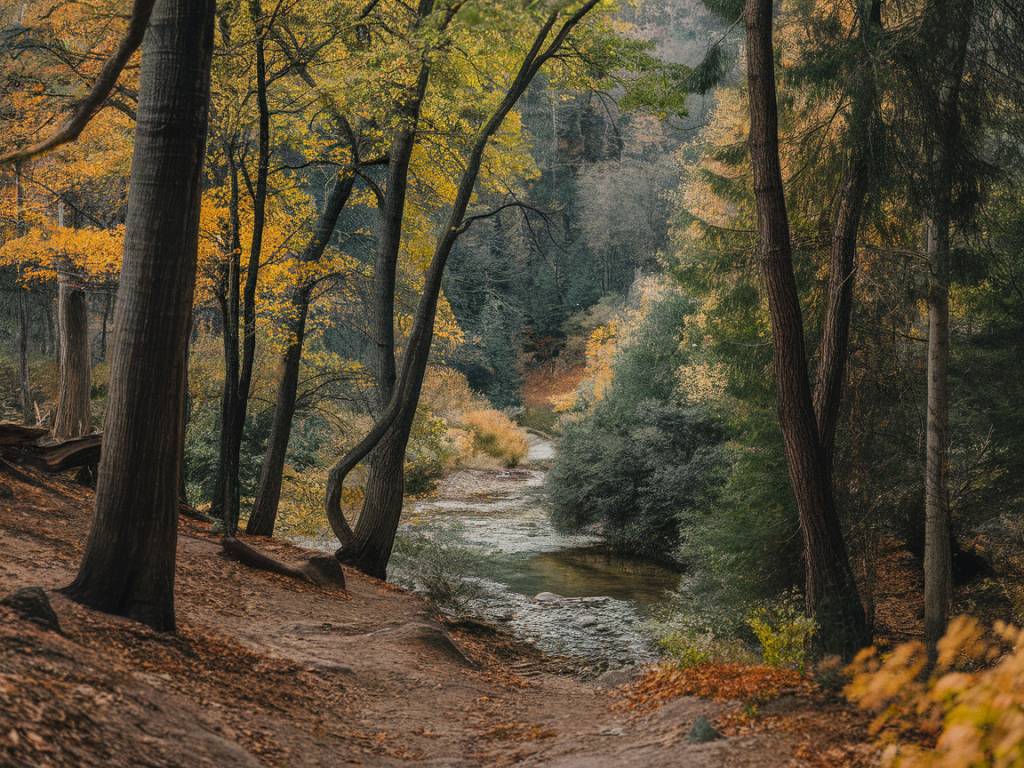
x: 635, y: 472
x: 428, y: 454
x: 784, y: 631
x: 496, y: 435
x: 438, y: 565
x: 967, y: 712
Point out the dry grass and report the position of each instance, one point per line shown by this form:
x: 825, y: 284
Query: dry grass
x: 496, y: 435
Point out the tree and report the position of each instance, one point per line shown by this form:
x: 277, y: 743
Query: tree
x: 369, y: 545
x: 947, y: 29
x: 831, y: 592
x: 128, y: 565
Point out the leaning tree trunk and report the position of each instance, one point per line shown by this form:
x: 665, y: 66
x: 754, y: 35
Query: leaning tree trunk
x: 831, y: 592
x: 128, y: 565
x: 263, y: 516
x: 385, y: 485
x: 74, y: 413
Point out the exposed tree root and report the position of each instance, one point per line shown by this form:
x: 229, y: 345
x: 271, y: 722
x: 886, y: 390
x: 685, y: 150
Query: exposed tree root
x: 322, y: 571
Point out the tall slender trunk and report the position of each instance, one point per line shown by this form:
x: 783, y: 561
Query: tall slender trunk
x: 947, y: 30
x: 27, y: 414
x: 74, y: 412
x: 938, y: 561
x: 107, y: 306
x: 263, y: 516
x: 862, y: 137
x: 227, y: 489
x: 385, y: 483
x: 831, y: 592
x: 128, y: 565
x: 243, y: 381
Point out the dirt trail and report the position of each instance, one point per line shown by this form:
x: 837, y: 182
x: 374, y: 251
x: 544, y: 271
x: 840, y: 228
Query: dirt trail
x: 270, y: 671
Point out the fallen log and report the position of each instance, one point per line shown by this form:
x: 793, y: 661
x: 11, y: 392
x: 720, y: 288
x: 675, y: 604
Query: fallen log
x: 321, y: 571
x: 56, y: 457
x: 12, y: 433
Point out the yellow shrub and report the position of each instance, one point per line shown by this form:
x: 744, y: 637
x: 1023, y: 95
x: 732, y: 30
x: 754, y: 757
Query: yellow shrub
x: 968, y: 712
x: 496, y: 435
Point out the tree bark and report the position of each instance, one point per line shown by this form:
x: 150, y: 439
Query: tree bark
x: 830, y: 590
x: 938, y: 557
x: 74, y: 411
x: 263, y: 516
x: 128, y: 565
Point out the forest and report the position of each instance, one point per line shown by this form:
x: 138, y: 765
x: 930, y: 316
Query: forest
x: 512, y: 382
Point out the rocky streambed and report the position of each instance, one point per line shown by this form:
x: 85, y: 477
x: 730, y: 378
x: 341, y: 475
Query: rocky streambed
x: 562, y: 593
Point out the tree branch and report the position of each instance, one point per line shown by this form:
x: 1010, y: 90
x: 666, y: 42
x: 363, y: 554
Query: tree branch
x: 101, y: 89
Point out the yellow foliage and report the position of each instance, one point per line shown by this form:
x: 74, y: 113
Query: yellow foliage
x: 496, y: 435
x: 969, y: 711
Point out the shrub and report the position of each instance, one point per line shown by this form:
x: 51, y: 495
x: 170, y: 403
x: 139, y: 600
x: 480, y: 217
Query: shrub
x: 496, y: 435
x: 428, y: 454
x: 438, y: 565
x: 969, y: 711
x: 784, y: 631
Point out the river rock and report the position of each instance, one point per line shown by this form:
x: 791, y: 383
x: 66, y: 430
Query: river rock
x: 547, y: 597
x: 586, y: 621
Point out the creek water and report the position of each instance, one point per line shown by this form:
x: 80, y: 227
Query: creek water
x: 563, y: 593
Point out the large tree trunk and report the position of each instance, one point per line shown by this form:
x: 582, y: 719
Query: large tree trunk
x: 835, y: 334
x: 128, y: 565
x: 74, y: 413
x: 263, y: 516
x: 385, y: 485
x: 831, y: 592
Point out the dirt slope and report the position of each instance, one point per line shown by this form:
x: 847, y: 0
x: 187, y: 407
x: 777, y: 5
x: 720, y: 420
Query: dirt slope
x: 269, y: 671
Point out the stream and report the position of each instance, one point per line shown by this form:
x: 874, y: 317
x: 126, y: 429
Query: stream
x: 562, y: 593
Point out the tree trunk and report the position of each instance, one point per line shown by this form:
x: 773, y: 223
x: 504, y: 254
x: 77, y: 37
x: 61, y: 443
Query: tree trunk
x: 938, y: 559
x: 228, y: 464
x: 27, y: 414
x: 835, y: 334
x: 128, y: 565
x: 263, y: 516
x: 370, y: 549
x: 947, y: 28
x: 74, y: 413
x: 831, y: 592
